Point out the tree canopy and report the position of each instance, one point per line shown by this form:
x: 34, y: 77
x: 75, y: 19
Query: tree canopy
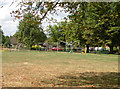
x: 30, y: 32
x: 93, y: 23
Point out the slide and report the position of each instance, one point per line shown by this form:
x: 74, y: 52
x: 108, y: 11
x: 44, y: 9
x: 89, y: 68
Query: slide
x: 70, y: 51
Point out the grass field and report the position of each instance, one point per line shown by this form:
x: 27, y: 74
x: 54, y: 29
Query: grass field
x: 52, y: 69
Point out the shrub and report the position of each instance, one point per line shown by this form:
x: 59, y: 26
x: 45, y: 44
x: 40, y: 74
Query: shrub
x: 115, y: 48
x: 36, y: 47
x: 33, y: 47
x: 103, y: 51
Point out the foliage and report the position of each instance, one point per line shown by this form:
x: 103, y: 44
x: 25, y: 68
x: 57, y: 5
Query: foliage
x: 38, y: 9
x: 63, y: 31
x: 7, y: 41
x: 93, y: 23
x: 104, y: 17
x: 98, y: 23
x: 30, y: 32
x: 2, y: 37
x: 54, y: 32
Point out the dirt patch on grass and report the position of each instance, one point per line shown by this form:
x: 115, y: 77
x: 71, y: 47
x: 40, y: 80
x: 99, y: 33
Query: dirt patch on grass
x: 35, y: 75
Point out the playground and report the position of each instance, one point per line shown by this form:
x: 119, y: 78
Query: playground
x: 57, y: 69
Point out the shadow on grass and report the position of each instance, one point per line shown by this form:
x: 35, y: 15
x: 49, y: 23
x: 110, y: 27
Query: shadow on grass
x: 89, y: 79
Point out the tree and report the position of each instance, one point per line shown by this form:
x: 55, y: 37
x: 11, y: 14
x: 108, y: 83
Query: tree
x: 104, y: 23
x: 7, y: 41
x: 30, y: 32
x: 2, y: 37
x: 98, y: 23
x: 77, y: 18
x: 62, y: 31
x: 54, y: 32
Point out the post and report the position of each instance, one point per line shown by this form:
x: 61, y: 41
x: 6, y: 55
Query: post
x: 66, y: 46
x: 57, y: 46
x: 85, y: 49
x: 47, y: 46
x: 72, y: 48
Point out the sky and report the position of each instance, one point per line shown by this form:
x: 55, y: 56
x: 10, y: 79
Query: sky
x: 9, y: 26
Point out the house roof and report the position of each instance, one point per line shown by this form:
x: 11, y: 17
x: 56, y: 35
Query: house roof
x: 13, y: 40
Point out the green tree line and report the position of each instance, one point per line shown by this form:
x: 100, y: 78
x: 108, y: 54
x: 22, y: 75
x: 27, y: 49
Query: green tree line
x: 93, y: 24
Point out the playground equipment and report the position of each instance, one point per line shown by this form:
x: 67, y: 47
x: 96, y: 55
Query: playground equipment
x: 70, y: 44
x: 59, y: 46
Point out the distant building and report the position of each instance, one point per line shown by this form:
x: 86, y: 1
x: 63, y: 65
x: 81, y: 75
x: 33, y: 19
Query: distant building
x: 13, y: 41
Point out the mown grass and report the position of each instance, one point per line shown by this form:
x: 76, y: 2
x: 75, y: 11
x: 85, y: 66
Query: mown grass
x: 35, y: 68
x: 37, y: 55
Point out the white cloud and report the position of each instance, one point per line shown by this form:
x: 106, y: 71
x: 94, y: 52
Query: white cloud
x: 6, y: 21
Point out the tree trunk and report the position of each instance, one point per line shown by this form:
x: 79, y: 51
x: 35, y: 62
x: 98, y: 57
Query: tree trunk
x: 87, y: 48
x: 111, y: 49
x: 119, y: 49
x: 30, y: 47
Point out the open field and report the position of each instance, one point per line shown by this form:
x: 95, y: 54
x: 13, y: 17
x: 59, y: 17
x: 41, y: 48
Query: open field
x: 51, y: 69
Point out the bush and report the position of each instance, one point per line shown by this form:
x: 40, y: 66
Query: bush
x: 103, y: 51
x: 36, y: 47
x: 114, y: 48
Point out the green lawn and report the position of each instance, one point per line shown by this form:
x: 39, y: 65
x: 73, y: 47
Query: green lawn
x: 39, y: 69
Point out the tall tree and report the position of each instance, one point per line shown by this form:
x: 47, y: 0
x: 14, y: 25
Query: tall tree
x: 30, y: 32
x: 2, y: 37
x: 103, y: 19
x: 7, y: 41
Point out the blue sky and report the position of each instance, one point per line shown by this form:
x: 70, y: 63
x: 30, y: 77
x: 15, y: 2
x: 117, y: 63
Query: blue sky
x: 9, y: 27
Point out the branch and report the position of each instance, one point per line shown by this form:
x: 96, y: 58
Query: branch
x: 48, y: 11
